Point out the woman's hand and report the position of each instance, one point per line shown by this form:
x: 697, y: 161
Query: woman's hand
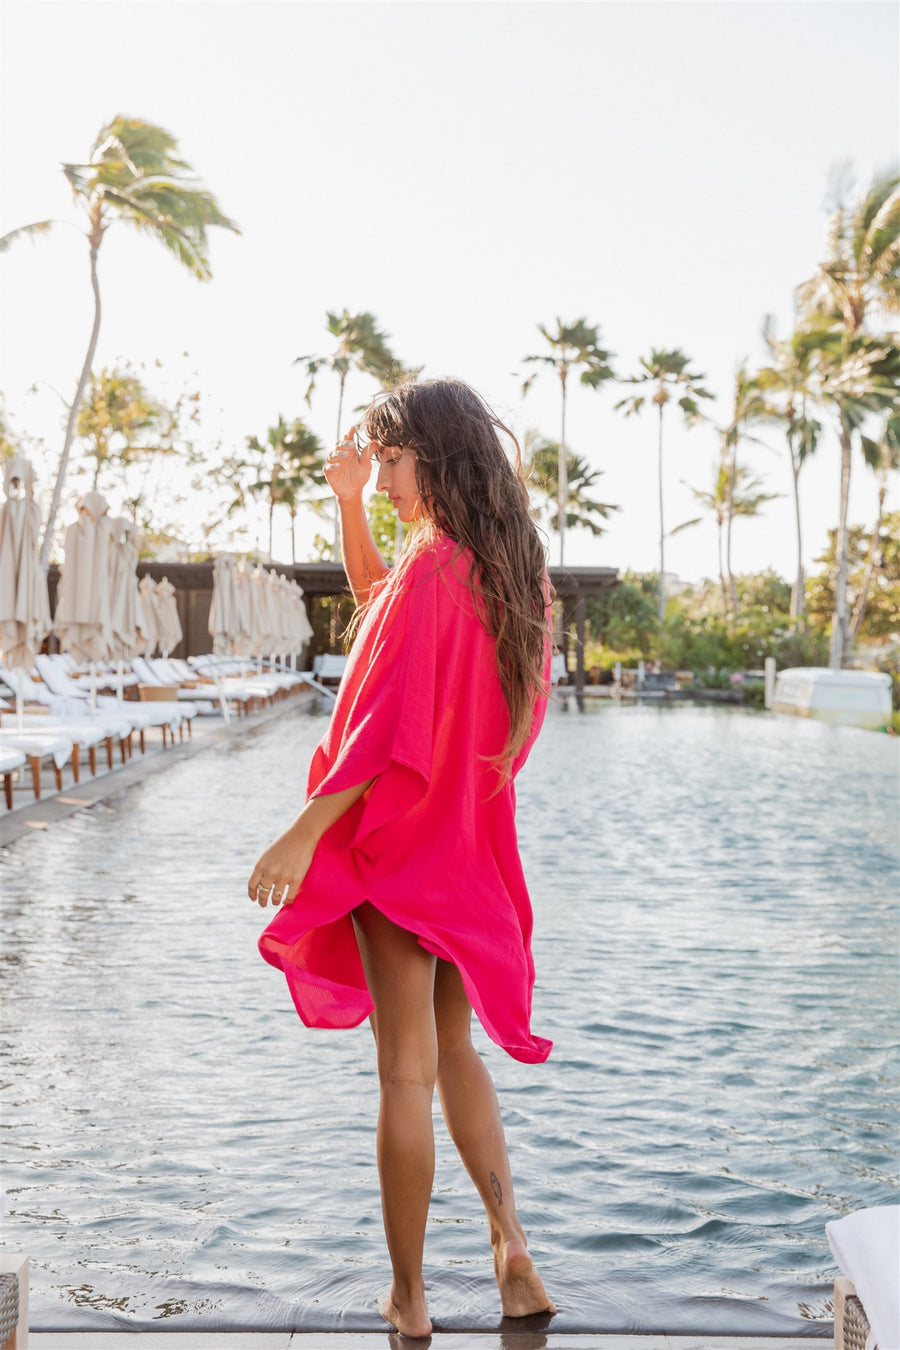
x: 348, y: 468
x: 280, y: 870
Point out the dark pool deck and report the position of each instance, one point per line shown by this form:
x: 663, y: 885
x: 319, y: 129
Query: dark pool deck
x: 382, y: 1340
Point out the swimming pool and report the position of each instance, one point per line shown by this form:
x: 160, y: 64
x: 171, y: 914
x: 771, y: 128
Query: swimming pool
x: 716, y: 936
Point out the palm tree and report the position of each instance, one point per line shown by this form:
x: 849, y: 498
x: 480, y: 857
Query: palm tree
x: 542, y: 470
x: 289, y: 468
x: 115, y: 419
x: 859, y: 279
x: 133, y: 175
x: 790, y: 377
x: 856, y: 378
x: 883, y: 456
x: 735, y: 492
x: 360, y: 346
x: 574, y: 346
x: 668, y: 372
x: 749, y: 406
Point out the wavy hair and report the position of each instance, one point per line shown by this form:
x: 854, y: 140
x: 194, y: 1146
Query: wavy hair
x: 475, y: 495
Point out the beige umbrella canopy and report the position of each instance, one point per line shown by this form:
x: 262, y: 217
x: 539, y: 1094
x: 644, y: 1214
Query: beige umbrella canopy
x: 168, y: 624
x: 83, y: 620
x: 24, y: 605
x: 148, y: 625
x: 125, y: 597
x: 223, y: 612
x: 264, y: 622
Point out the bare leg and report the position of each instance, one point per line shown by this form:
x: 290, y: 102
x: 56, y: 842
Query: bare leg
x: 472, y: 1113
x: 400, y: 976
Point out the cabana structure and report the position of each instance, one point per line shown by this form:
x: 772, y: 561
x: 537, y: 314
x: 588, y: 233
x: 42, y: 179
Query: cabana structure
x: 193, y: 584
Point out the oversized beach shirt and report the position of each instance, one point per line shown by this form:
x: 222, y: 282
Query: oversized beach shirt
x: 432, y: 842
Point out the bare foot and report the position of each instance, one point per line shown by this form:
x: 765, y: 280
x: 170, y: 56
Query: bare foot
x: 410, y: 1319
x: 522, y: 1291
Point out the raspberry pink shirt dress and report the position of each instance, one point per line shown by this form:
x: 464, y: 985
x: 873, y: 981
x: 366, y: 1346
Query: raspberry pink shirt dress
x: 431, y: 843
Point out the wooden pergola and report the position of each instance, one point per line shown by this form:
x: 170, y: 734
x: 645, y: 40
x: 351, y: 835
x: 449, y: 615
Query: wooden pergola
x: 193, y: 584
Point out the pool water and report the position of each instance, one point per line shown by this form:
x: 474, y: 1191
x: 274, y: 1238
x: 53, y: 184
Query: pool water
x: 716, y: 941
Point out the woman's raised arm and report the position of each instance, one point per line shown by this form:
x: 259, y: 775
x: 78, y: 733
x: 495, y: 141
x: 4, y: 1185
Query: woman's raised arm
x: 347, y: 470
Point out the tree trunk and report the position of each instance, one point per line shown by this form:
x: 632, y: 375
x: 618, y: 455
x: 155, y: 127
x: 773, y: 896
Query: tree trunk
x: 839, y: 617
x: 336, y: 514
x: 562, y: 473
x: 662, y: 528
x: 73, y: 413
x: 271, y: 519
x: 719, y: 524
x: 859, y: 611
x: 293, y: 544
x: 798, y: 590
x: 729, y: 519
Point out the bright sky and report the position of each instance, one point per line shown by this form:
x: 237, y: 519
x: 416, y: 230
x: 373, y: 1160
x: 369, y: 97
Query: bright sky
x: 465, y: 171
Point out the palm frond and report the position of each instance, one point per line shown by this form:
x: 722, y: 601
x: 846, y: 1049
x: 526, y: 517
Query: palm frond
x: 26, y: 232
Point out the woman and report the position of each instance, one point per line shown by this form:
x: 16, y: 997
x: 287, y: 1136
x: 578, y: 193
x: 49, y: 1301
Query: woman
x: 404, y: 895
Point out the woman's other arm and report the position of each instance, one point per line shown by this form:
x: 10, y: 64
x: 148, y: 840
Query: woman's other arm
x: 347, y: 471
x: 284, y: 864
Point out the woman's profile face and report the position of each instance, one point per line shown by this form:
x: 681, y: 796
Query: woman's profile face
x: 397, y: 477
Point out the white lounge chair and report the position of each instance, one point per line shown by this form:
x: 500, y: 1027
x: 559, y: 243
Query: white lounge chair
x: 169, y: 716
x: 34, y: 691
x: 83, y: 735
x: 39, y: 746
x: 10, y: 760
x: 149, y: 672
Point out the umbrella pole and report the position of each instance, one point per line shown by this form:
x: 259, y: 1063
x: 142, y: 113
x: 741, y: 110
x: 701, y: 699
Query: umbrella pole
x: 93, y: 669
x: 20, y: 709
x: 121, y: 674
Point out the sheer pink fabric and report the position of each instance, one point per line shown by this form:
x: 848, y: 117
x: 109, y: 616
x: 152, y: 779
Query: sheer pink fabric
x: 431, y: 843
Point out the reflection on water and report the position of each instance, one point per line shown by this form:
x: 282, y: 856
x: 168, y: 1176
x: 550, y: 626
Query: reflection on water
x: 715, y: 944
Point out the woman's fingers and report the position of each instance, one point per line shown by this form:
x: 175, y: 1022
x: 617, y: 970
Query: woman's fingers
x: 347, y: 468
x: 278, y: 890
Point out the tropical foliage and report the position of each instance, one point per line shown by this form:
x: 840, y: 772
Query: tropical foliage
x: 288, y: 469
x: 541, y: 469
x: 573, y: 347
x: 135, y: 176
x: 667, y: 374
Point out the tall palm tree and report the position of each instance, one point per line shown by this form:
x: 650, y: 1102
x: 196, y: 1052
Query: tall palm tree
x: 289, y: 466
x: 735, y: 492
x: 542, y: 471
x: 574, y: 346
x: 133, y: 175
x: 360, y: 346
x: 856, y: 379
x: 882, y: 456
x: 667, y: 371
x: 859, y: 281
x: 749, y: 406
x: 790, y: 378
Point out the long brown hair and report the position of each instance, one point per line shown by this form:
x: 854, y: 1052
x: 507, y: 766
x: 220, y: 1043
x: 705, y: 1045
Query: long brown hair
x: 475, y: 495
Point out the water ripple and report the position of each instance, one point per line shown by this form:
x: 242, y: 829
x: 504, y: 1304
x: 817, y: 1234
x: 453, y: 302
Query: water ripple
x: 716, y: 934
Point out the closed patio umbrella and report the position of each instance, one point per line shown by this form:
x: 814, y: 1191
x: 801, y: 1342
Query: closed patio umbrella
x: 148, y: 625
x: 125, y: 604
x: 24, y: 604
x: 168, y: 624
x: 223, y: 610
x: 83, y: 620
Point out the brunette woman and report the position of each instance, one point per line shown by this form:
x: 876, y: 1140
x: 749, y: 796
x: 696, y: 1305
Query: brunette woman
x: 404, y: 899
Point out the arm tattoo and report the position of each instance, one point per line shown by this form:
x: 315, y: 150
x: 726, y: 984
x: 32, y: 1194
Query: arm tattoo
x: 497, y: 1188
